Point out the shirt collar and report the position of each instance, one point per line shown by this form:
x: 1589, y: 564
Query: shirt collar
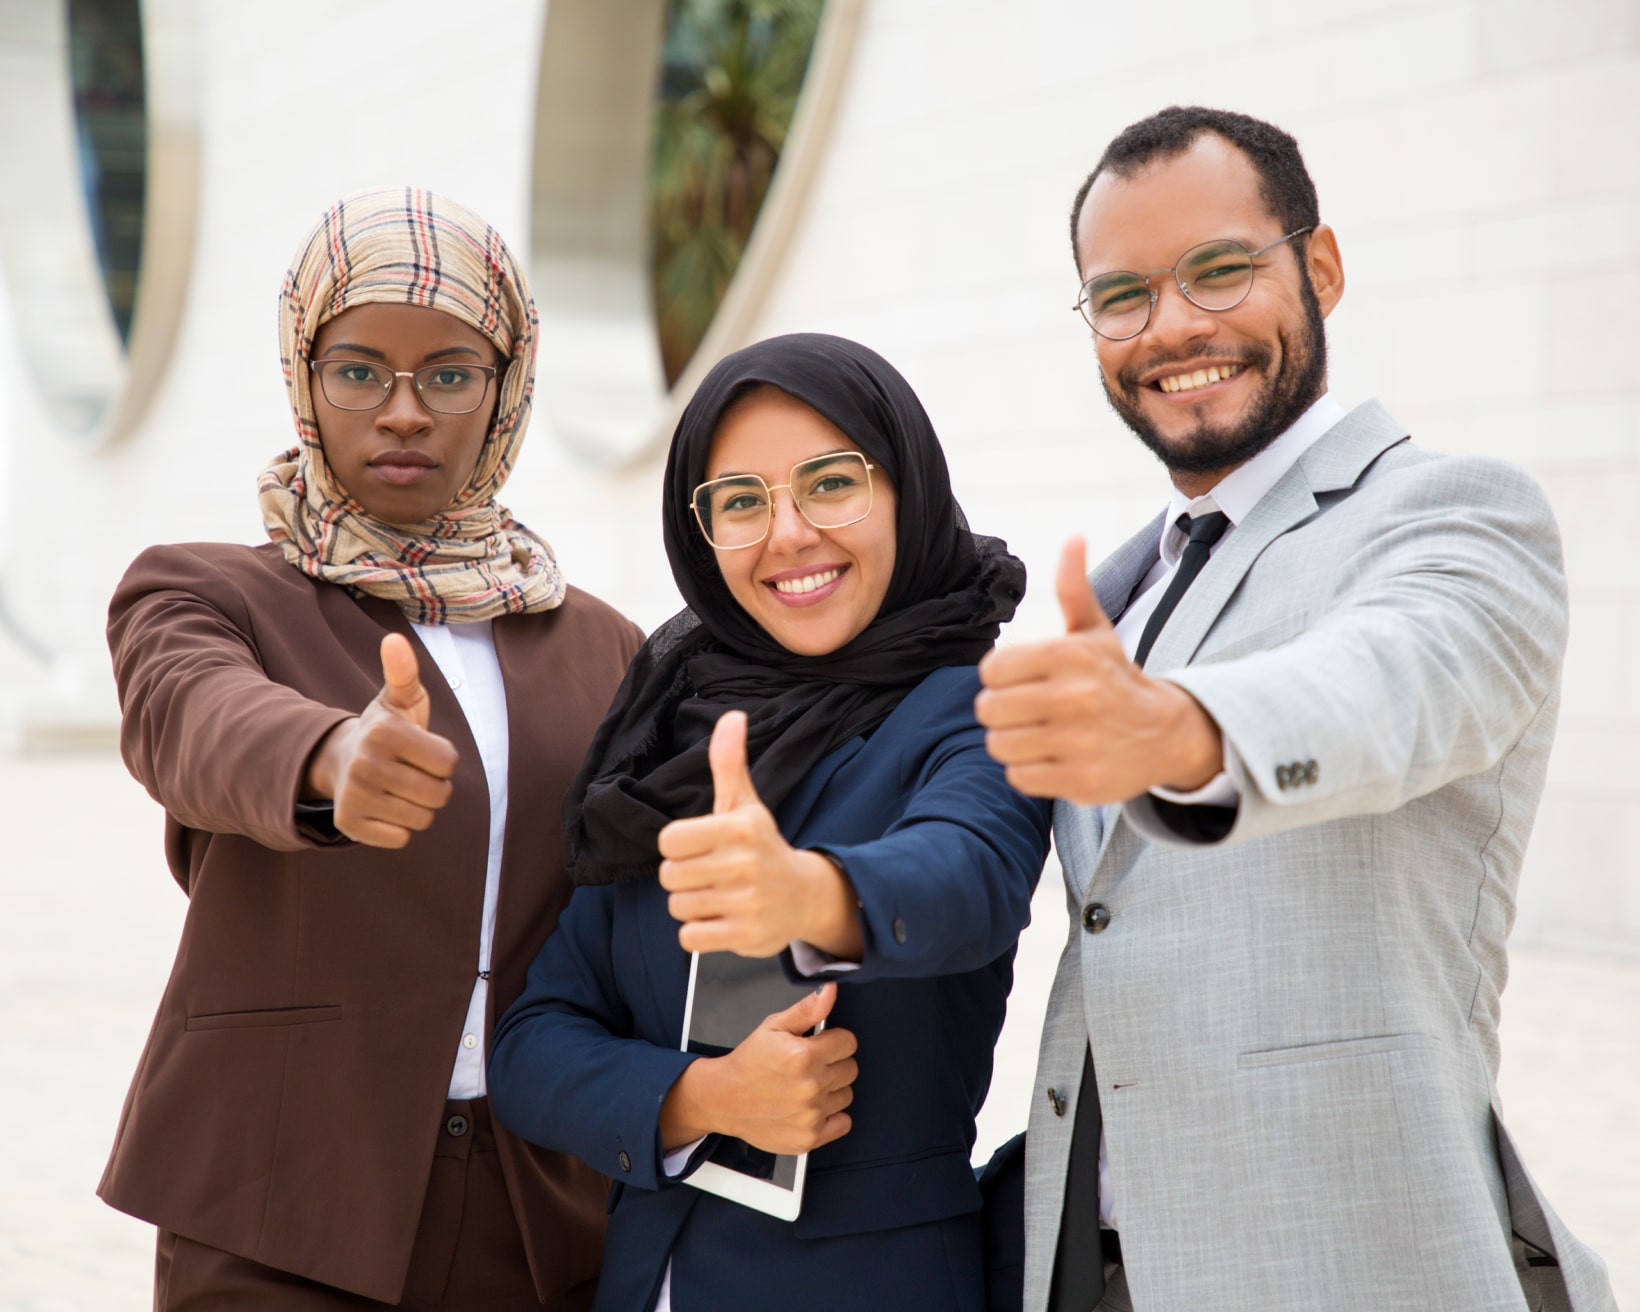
x: 1246, y: 485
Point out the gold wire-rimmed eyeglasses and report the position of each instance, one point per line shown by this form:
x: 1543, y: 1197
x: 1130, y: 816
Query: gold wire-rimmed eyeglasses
x: 829, y: 491
x: 1215, y: 275
x: 449, y: 389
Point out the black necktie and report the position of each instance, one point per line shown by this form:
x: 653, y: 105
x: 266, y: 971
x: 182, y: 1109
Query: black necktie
x: 1203, y: 531
x: 1079, y: 1262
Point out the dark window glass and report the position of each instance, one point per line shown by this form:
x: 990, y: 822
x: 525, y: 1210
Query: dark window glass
x: 730, y: 77
x: 105, y: 55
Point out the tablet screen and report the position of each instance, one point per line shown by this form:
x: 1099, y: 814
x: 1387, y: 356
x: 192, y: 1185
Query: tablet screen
x: 729, y: 997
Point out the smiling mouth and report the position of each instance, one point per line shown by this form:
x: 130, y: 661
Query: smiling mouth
x: 806, y: 582
x: 1189, y: 382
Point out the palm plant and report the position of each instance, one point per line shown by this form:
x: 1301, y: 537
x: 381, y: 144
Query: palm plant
x: 729, y: 86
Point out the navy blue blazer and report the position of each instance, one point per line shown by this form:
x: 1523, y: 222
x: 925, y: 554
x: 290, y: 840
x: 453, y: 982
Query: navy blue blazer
x: 944, y: 856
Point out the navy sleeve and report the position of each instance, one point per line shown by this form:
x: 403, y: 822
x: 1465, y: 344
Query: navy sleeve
x: 565, y: 1071
x: 947, y: 888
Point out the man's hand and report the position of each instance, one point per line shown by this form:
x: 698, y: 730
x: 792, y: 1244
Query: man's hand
x: 1075, y: 718
x: 386, y: 773
x: 782, y: 1089
x: 737, y: 885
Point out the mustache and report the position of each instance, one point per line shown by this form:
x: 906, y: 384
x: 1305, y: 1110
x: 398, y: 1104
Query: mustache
x: 1251, y: 356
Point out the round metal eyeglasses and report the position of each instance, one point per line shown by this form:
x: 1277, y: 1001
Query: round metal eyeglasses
x: 829, y: 491
x: 449, y: 389
x: 1216, y: 275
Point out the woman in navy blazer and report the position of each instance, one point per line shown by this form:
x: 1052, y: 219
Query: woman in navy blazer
x: 873, y: 840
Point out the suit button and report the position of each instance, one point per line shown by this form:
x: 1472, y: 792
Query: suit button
x: 1312, y: 772
x: 624, y: 1160
x: 456, y: 1126
x: 1283, y: 778
x: 1095, y: 917
x: 899, y: 930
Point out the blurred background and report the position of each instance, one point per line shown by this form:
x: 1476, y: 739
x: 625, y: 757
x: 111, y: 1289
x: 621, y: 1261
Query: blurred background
x: 686, y: 176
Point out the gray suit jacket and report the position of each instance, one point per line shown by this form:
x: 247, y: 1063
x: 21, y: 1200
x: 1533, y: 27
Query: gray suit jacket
x: 1294, y: 1030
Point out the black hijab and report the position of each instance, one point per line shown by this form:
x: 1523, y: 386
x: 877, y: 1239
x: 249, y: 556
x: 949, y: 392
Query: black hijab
x: 950, y: 593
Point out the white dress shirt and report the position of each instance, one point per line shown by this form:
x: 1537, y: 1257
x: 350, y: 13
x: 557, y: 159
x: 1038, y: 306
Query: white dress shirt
x: 465, y: 655
x: 1236, y: 494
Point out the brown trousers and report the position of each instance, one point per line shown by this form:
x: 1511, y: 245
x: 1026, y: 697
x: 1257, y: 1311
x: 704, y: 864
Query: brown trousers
x: 468, y: 1255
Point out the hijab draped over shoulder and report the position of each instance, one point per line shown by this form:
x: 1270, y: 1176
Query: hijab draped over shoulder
x: 950, y: 593
x: 471, y: 561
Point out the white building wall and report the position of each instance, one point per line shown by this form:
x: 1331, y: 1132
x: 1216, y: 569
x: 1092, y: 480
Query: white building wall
x: 1481, y: 162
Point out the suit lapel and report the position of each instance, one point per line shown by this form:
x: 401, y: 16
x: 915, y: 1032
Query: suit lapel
x: 1288, y: 504
x: 1114, y: 579
x: 1334, y: 463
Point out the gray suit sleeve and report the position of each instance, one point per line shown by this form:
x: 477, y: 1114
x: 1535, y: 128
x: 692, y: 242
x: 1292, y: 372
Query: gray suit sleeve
x: 1439, y: 643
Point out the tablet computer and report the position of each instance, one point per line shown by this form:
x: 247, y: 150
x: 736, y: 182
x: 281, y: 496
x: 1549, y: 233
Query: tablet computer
x: 729, y: 997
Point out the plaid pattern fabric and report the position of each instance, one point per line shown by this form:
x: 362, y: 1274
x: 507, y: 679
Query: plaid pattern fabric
x: 472, y: 561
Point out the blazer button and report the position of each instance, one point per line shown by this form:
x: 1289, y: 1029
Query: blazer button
x: 624, y: 1160
x: 456, y: 1126
x: 1095, y: 917
x: 899, y: 930
x: 1283, y: 777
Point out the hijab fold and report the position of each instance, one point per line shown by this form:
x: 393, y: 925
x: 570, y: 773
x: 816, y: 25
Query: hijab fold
x: 473, y: 560
x: 950, y: 593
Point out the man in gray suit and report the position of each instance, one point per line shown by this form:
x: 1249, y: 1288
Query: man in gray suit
x: 1296, y: 779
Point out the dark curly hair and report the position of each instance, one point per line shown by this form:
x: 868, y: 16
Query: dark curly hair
x: 1284, y: 182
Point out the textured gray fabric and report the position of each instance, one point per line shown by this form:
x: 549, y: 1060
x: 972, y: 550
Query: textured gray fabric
x: 1295, y: 1030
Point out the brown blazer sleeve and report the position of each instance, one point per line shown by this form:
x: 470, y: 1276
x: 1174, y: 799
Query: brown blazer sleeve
x: 213, y: 739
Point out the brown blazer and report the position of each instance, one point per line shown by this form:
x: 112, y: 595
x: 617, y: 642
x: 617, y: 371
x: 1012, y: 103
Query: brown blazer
x: 287, y: 1103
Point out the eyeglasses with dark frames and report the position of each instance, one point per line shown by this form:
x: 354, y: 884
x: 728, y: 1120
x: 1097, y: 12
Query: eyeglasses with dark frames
x: 449, y: 389
x: 829, y: 491
x: 1216, y: 275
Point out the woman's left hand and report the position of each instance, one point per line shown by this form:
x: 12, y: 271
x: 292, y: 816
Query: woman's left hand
x: 737, y: 886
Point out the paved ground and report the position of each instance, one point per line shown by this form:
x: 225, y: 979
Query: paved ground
x: 92, y: 922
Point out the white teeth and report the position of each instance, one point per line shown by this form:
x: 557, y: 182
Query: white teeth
x: 808, y: 583
x: 1200, y: 378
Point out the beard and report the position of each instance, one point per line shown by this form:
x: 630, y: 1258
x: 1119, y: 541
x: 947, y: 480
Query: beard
x: 1207, y: 449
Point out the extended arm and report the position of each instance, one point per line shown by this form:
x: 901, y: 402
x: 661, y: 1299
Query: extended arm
x: 229, y: 749
x: 948, y: 886
x: 216, y: 742
x: 1436, y: 627
x: 944, y: 887
x: 1445, y: 642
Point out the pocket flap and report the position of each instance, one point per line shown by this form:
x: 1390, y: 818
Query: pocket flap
x: 234, y: 1020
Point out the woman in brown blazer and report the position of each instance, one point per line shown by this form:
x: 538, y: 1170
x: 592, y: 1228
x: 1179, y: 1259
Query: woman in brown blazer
x: 361, y: 732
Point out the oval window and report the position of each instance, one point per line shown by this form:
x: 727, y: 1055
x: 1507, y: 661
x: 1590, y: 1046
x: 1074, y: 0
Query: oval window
x: 111, y: 130
x: 730, y: 78
x: 674, y: 143
x: 98, y: 103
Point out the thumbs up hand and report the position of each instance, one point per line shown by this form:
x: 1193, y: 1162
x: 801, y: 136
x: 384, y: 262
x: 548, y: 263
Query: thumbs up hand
x: 736, y: 885
x: 387, y: 774
x: 731, y: 776
x: 1073, y: 717
x: 402, y: 693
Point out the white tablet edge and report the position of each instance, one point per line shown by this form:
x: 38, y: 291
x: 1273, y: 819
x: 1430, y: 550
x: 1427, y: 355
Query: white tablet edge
x: 709, y: 1177
x: 749, y: 1191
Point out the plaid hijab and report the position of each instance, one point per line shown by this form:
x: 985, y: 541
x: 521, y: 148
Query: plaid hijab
x: 472, y: 560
